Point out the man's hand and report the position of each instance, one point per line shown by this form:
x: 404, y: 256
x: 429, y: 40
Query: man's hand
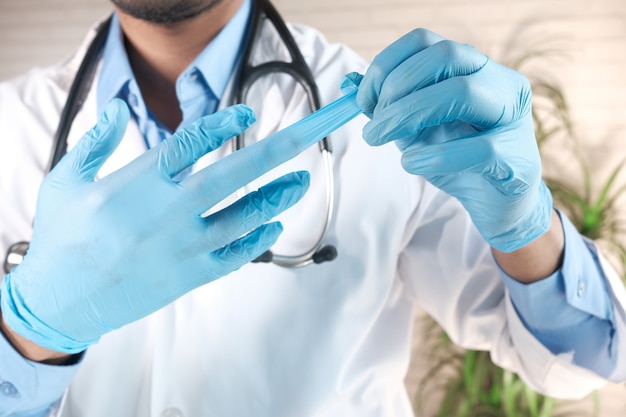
x: 464, y: 123
x: 108, y: 252
x: 537, y: 260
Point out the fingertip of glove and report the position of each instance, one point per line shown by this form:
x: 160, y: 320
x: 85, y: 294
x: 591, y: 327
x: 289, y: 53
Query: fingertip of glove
x: 116, y: 109
x: 287, y: 190
x: 350, y: 82
x: 304, y: 177
x: 371, y: 134
x: 271, y: 231
x: 232, y: 120
x: 244, y: 115
x: 111, y: 125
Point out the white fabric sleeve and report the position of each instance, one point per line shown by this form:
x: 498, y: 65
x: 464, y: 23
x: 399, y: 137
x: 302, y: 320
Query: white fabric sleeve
x: 451, y: 273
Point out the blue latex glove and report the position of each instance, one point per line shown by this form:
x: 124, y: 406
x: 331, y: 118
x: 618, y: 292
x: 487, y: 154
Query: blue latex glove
x: 106, y: 253
x: 464, y: 123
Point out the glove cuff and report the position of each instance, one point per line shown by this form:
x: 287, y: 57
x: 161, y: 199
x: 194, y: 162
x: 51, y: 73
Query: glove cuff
x: 533, y: 224
x: 22, y: 321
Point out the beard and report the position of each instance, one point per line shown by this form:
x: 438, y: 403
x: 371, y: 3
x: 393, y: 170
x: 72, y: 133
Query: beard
x: 165, y: 11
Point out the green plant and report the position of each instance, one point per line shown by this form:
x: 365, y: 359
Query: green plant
x: 594, y: 214
x: 468, y: 384
x: 591, y: 207
x: 485, y: 390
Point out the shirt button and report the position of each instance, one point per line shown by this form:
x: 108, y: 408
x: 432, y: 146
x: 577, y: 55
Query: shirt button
x: 193, y: 75
x: 132, y: 100
x: 581, y: 288
x: 8, y: 390
x: 172, y: 412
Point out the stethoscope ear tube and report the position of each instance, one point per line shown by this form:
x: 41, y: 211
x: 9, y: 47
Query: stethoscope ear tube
x: 78, y: 92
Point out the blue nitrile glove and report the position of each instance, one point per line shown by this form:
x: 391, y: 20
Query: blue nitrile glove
x: 109, y: 252
x: 464, y: 123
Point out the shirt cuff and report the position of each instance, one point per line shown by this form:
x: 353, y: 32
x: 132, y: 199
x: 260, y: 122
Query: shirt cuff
x: 570, y: 311
x: 30, y: 388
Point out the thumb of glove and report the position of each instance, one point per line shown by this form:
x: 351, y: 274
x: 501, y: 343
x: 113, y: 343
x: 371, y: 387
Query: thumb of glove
x: 96, y: 146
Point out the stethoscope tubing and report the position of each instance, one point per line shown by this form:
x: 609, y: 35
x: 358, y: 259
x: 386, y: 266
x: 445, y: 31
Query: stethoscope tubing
x: 78, y: 92
x: 299, y: 71
x: 247, y: 75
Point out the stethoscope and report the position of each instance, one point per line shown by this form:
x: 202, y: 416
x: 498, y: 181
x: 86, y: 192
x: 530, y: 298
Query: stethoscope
x: 247, y: 74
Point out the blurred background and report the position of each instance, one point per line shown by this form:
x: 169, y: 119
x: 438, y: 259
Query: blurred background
x: 573, y: 50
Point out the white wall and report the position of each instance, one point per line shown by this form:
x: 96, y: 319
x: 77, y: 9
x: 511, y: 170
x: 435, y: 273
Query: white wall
x: 40, y: 32
x: 591, y: 34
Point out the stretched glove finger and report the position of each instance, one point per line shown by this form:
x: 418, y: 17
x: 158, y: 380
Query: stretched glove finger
x: 97, y: 145
x: 240, y: 252
x: 215, y: 182
x: 185, y: 147
x: 441, y: 61
x: 387, y: 60
x: 472, y: 99
x: 255, y: 209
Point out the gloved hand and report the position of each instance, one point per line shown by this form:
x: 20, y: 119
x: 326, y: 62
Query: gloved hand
x: 464, y: 123
x: 109, y: 252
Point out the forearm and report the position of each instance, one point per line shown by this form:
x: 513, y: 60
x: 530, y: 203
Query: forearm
x: 537, y: 260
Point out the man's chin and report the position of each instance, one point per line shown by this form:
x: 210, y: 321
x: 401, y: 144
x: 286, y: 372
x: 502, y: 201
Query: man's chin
x: 165, y: 12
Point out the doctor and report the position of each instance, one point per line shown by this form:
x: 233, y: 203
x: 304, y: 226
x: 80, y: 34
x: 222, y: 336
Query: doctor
x: 118, y: 309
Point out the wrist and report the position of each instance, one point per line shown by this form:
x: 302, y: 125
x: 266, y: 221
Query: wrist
x: 525, y: 222
x: 537, y: 260
x: 30, y: 350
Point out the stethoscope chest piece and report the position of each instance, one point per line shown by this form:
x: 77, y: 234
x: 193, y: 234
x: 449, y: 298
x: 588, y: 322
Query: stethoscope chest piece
x: 15, y: 255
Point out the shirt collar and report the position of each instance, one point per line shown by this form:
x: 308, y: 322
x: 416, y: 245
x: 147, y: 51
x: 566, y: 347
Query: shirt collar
x: 215, y: 63
x: 116, y: 72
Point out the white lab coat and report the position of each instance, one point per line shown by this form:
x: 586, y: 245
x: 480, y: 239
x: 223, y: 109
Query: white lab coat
x: 324, y: 340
